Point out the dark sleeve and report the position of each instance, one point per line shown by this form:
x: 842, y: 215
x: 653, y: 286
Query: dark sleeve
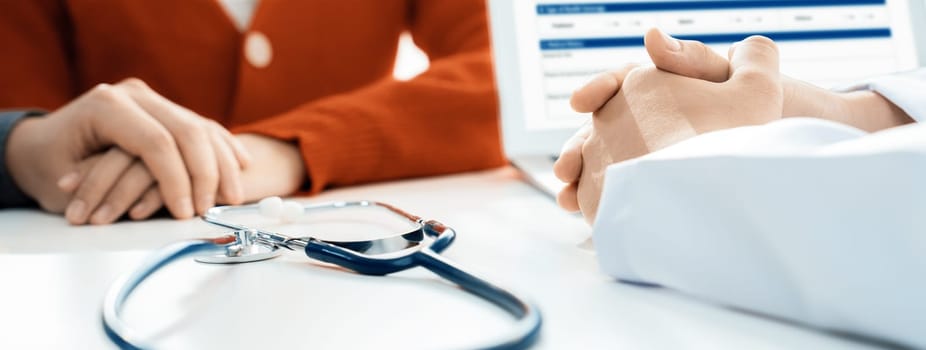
x: 10, y: 195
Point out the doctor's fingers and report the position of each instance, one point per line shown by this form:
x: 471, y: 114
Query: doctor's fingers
x: 96, y: 184
x: 568, y: 198
x: 568, y: 166
x: 754, y: 60
x: 193, y: 137
x: 594, y: 94
x: 111, y: 117
x: 687, y: 58
x: 755, y: 78
x: 129, y: 189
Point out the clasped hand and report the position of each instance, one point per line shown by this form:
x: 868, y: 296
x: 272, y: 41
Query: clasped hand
x: 690, y: 90
x: 124, y: 149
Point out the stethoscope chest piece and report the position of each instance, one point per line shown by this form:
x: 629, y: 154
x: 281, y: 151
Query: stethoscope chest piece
x: 243, y: 251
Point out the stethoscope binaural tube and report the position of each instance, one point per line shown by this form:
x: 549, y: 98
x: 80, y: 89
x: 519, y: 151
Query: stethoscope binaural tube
x: 528, y: 317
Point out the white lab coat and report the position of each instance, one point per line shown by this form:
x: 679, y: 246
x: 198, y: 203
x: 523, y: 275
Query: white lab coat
x: 801, y: 219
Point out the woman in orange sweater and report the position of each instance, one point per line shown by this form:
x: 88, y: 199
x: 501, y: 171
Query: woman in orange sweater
x: 306, y: 86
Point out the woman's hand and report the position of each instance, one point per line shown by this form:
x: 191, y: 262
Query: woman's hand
x: 211, y: 156
x: 178, y: 147
x: 122, y: 185
x: 173, y: 143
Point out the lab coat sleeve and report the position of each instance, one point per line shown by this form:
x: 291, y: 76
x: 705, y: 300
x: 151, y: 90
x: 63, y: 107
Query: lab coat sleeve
x: 907, y: 90
x: 827, y: 234
x: 442, y: 121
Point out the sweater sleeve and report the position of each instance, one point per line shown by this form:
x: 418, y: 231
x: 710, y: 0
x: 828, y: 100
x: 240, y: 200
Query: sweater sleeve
x: 442, y: 121
x: 36, y: 55
x: 10, y: 194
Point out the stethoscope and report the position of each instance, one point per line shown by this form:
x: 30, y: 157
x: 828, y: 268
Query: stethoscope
x: 419, y: 246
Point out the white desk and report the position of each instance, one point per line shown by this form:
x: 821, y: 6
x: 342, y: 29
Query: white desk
x: 54, y: 277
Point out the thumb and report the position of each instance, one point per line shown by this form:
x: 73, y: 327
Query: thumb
x: 687, y: 58
x: 754, y: 55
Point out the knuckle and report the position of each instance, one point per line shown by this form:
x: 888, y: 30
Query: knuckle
x: 107, y: 93
x: 160, y: 140
x: 636, y: 77
x: 88, y: 191
x: 586, y: 149
x: 133, y: 83
x: 196, y: 130
x: 763, y: 42
x: 757, y: 79
x: 214, y: 128
x: 204, y: 174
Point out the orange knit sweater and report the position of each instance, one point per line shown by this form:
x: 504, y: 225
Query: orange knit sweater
x: 327, y: 86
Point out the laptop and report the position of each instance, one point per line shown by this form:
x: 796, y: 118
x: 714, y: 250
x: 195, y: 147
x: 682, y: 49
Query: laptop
x: 543, y: 50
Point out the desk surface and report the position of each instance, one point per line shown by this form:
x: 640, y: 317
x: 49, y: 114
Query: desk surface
x: 54, y: 277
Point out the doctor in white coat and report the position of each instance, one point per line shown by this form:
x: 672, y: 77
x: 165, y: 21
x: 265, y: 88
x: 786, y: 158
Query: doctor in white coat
x: 706, y: 187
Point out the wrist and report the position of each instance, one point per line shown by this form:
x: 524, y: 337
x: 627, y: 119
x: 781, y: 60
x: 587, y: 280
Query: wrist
x: 21, y: 155
x: 277, y: 168
x: 869, y: 111
x: 807, y: 100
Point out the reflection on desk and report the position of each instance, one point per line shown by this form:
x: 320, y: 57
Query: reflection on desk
x: 55, y: 276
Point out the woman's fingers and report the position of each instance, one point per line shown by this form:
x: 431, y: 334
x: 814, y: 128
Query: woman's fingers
x: 192, y: 134
x: 241, y: 152
x: 71, y: 181
x: 96, y: 184
x: 114, y: 118
x: 230, y: 190
x: 128, y: 190
x: 149, y: 203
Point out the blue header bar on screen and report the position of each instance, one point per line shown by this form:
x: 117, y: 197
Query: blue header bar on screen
x: 587, y: 8
x: 726, y: 38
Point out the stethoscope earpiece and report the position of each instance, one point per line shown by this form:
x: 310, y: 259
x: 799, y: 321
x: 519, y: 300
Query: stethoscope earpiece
x: 276, y: 207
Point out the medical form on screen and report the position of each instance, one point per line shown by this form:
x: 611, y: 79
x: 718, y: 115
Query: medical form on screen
x: 563, y: 44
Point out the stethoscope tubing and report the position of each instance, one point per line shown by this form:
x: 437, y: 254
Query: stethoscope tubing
x: 116, y: 329
x: 527, y: 329
x: 523, y: 335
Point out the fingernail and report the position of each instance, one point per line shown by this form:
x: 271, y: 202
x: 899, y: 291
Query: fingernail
x: 671, y: 43
x: 102, y: 215
x: 239, y: 194
x: 138, y: 210
x: 76, y: 211
x: 205, y: 202
x: 186, y: 208
x: 67, y: 182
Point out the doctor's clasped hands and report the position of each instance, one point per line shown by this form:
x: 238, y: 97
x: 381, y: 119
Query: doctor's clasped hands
x: 655, y: 108
x: 691, y: 90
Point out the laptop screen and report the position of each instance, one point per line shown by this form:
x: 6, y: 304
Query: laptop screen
x: 562, y: 44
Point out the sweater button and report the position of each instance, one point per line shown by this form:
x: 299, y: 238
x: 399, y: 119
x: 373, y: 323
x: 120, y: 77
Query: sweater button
x: 257, y: 49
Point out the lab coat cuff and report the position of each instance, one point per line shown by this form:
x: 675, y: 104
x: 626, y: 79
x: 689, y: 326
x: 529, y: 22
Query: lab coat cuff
x: 612, y: 245
x: 10, y: 194
x: 903, y: 90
